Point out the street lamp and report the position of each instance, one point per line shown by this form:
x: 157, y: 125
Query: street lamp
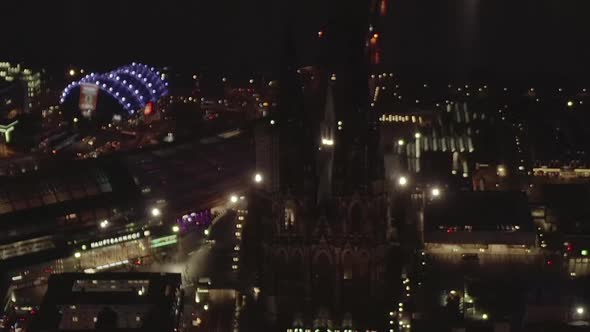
x: 104, y: 224
x: 580, y: 310
x: 402, y: 181
x: 72, y: 72
x: 175, y: 228
x: 435, y: 192
x: 77, y: 254
x: 417, y: 135
x: 156, y: 212
x: 233, y: 198
x: 257, y: 177
x: 400, y: 142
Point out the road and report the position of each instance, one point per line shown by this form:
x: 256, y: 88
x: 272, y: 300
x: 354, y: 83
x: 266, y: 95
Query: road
x: 199, y: 256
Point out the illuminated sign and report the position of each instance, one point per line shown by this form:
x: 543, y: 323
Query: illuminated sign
x: 114, y: 240
x: 88, y: 97
x: 163, y: 241
x: 149, y: 108
x: 7, y: 129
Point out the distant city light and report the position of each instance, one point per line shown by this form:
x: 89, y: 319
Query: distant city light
x: 72, y: 72
x: 435, y: 192
x: 570, y: 103
x: 584, y: 252
x: 77, y: 254
x: 272, y: 122
x: 417, y: 135
x: 484, y: 316
x: 156, y: 212
x: 233, y: 198
x: 402, y: 181
x: 257, y: 177
x: 327, y: 142
x: 320, y: 34
x: 401, y: 142
x: 206, y: 232
x: 175, y: 228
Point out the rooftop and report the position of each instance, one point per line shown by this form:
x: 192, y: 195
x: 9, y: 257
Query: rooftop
x: 123, y: 301
x: 480, y: 210
x: 66, y: 192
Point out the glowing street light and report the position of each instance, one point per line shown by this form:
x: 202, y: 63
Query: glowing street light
x: 72, y: 72
x: 156, y: 212
x: 417, y: 135
x: 484, y: 316
x: 327, y: 141
x: 175, y: 229
x: 580, y: 310
x: 400, y: 142
x: 77, y: 254
x: 435, y: 192
x: 570, y: 103
x: 104, y: 224
x: 233, y: 198
x: 402, y: 181
x: 257, y: 177
x: 501, y: 170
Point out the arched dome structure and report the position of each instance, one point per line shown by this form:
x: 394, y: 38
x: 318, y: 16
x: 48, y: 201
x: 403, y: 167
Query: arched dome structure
x: 132, y: 86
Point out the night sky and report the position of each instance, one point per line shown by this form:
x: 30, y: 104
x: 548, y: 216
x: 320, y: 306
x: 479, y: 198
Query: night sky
x: 459, y: 36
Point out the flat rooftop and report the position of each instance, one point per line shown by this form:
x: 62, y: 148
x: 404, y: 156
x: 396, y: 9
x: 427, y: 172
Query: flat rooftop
x: 480, y: 210
x: 129, y: 301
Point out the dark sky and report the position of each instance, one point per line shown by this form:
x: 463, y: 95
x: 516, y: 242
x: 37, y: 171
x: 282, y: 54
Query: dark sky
x: 496, y: 36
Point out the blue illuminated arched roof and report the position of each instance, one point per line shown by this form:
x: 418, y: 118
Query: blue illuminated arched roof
x: 133, y: 86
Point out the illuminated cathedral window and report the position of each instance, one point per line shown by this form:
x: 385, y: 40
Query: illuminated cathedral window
x: 289, y: 218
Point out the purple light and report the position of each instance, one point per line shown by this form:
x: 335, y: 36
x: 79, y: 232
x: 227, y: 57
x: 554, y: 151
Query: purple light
x: 131, y: 95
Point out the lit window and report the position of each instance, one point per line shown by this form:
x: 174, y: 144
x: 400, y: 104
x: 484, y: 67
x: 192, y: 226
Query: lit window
x: 289, y: 217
